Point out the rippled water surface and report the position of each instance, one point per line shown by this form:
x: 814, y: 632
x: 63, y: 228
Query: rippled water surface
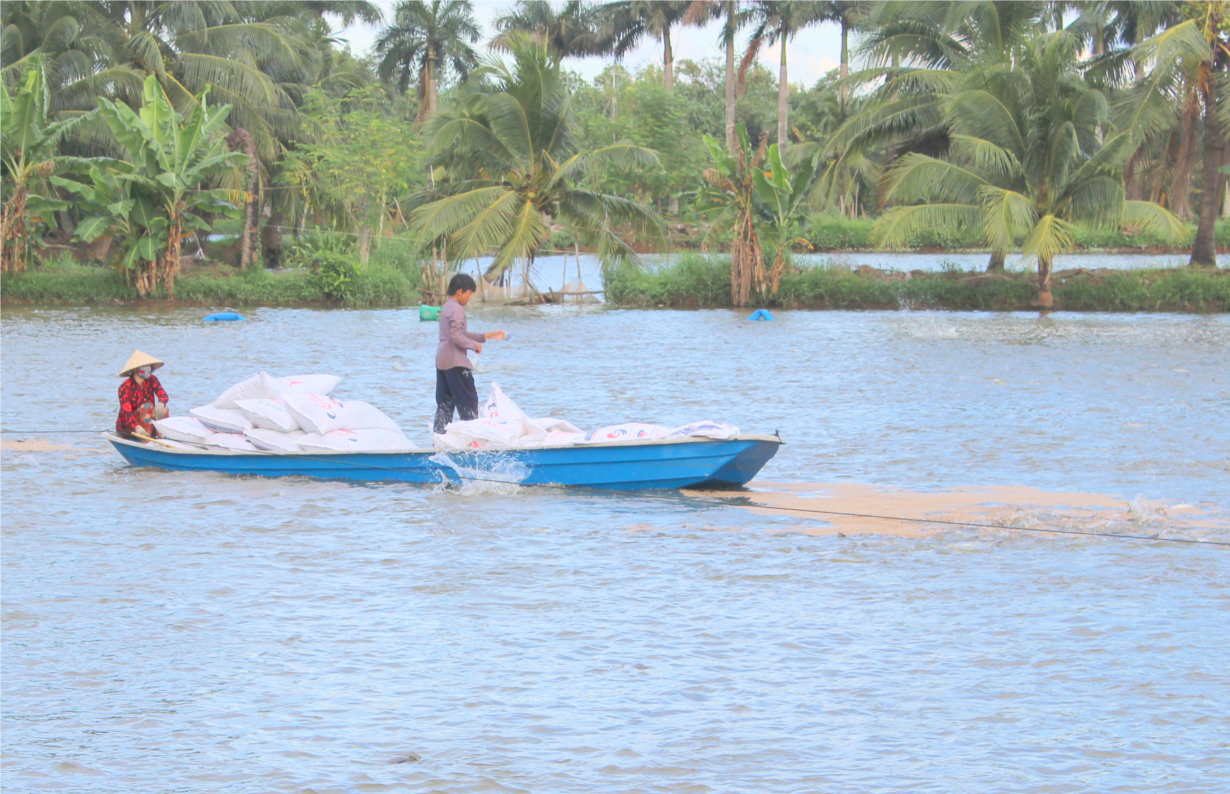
x: 168, y: 631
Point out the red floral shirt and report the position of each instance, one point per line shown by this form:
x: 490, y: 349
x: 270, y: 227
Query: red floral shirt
x: 132, y: 396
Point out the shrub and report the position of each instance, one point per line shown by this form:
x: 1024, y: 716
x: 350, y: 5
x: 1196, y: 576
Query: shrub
x: 333, y: 273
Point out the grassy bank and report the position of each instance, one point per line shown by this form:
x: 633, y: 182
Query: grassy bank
x: 828, y: 233
x: 63, y: 282
x: 697, y: 281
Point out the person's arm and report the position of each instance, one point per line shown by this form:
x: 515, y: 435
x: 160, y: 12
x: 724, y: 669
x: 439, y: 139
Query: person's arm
x: 158, y: 390
x: 457, y: 332
x: 126, y: 422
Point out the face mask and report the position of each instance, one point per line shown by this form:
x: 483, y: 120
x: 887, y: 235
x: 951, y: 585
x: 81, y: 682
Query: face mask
x: 145, y: 372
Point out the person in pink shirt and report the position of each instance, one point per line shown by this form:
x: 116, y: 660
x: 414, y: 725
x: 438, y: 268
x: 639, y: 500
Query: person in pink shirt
x: 454, y: 373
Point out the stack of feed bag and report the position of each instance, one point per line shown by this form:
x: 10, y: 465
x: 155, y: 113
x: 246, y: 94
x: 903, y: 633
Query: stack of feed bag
x: 502, y: 424
x: 262, y: 413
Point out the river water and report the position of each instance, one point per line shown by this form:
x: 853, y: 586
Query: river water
x: 169, y: 631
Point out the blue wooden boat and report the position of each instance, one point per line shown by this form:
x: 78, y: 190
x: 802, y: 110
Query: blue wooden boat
x: 627, y: 465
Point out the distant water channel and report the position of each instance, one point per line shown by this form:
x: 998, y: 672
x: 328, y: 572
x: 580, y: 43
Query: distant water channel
x: 556, y: 270
x: 171, y: 631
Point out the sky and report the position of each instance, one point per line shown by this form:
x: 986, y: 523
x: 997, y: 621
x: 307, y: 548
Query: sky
x: 811, y: 55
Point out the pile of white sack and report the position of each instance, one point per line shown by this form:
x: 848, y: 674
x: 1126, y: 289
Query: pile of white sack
x: 502, y: 424
x: 262, y: 413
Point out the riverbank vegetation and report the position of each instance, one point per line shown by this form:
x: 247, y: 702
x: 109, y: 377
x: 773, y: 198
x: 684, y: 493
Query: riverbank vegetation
x: 391, y: 279
x: 697, y: 281
x: 136, y: 132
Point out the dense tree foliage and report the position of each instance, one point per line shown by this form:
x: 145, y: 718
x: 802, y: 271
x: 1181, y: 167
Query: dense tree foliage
x: 330, y: 139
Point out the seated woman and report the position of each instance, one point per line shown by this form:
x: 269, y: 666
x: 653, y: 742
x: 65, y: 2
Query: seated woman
x: 142, y: 398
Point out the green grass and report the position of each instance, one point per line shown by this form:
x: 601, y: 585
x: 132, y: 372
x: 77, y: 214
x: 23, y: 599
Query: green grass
x: 831, y: 233
x: 390, y: 279
x: 699, y: 281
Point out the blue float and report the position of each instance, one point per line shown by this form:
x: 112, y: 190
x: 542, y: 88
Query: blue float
x: 760, y: 314
x: 222, y: 317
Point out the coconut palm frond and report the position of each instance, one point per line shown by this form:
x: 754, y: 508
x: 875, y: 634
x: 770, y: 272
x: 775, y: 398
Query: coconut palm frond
x: 898, y: 227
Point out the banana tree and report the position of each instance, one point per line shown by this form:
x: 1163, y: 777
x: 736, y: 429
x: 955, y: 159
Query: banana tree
x: 732, y: 206
x: 151, y: 199
x: 782, y: 206
x: 28, y: 146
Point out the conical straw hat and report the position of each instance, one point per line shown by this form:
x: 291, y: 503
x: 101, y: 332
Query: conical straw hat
x: 139, y: 359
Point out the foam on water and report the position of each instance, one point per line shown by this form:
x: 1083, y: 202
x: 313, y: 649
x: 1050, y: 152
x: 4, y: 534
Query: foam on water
x: 500, y: 474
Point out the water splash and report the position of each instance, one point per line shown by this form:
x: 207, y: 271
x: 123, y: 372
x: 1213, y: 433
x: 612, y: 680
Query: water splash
x: 500, y: 474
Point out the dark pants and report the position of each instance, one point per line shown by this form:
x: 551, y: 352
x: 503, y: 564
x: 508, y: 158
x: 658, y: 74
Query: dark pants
x: 455, y: 389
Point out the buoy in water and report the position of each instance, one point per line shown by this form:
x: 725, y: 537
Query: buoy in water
x: 429, y: 313
x: 222, y: 317
x: 760, y: 314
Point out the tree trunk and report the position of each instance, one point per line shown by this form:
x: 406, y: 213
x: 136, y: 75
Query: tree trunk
x: 1133, y: 183
x: 13, y: 232
x: 169, y: 266
x: 1204, y: 248
x: 365, y: 243
x: 241, y: 140
x: 668, y: 61
x: 271, y: 240
x: 431, y: 80
x: 746, y: 259
x: 1181, y: 175
x: 731, y: 12
x: 845, y: 59
x: 1045, y: 267
x: 783, y: 98
x: 996, y: 264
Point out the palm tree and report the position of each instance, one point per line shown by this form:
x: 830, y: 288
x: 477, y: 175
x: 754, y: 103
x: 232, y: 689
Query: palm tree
x: 424, y: 39
x: 843, y: 12
x: 1190, y: 68
x: 918, y: 54
x: 778, y: 21
x: 699, y: 13
x: 1027, y: 159
x: 511, y: 152
x: 571, y: 32
x: 625, y: 24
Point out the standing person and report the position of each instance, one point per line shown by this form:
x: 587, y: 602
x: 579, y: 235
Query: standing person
x: 142, y: 398
x: 454, y: 372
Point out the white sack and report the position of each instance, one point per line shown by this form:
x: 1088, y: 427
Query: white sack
x: 253, y: 387
x: 563, y: 438
x: 365, y: 440
x: 231, y: 441
x: 183, y: 428
x: 497, y: 431
x: 273, y: 440
x: 457, y: 442
x: 317, y: 413
x: 307, y: 384
x: 626, y: 432
x: 222, y: 420
x: 498, y: 406
x: 269, y: 413
x: 705, y: 429
x: 550, y: 424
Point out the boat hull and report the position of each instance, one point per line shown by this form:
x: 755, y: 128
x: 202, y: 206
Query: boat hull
x: 674, y: 463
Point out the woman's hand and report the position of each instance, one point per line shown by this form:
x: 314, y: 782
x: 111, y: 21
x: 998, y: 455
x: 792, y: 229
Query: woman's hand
x: 494, y: 335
